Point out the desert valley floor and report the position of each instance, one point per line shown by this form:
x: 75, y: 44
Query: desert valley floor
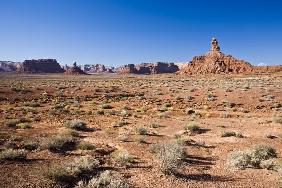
x: 122, y: 117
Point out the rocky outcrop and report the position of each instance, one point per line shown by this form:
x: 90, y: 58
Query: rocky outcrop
x: 267, y: 69
x: 40, y: 66
x: 74, y: 70
x: 97, y: 68
x: 216, y: 62
x: 148, y: 68
x: 9, y: 66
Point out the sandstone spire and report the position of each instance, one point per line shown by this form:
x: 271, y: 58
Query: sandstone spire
x: 214, y: 45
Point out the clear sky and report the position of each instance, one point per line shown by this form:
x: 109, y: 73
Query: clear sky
x: 115, y: 32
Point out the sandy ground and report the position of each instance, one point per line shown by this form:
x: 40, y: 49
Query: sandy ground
x: 241, y: 103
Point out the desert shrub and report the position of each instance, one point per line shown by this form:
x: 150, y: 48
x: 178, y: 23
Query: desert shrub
x: 231, y: 133
x: 238, y: 160
x: 192, y: 127
x: 120, y: 123
x: 106, y: 106
x: 189, y: 111
x: 154, y: 125
x: 59, y: 143
x: 124, y: 137
x: 82, y: 165
x: 12, y: 122
x: 269, y: 164
x: 169, y: 155
x: 30, y: 145
x: 122, y: 157
x: 58, y: 173
x: 228, y: 133
x: 141, y: 140
x: 24, y: 126
x: 32, y: 104
x: 13, y: 154
x: 105, y: 180
x: 142, y: 131
x: 69, y: 171
x: 259, y: 153
x: 255, y: 156
x: 86, y: 146
x: 278, y: 119
x: 76, y: 124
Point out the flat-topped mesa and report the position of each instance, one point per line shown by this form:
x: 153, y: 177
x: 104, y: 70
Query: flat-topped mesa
x: 40, y: 66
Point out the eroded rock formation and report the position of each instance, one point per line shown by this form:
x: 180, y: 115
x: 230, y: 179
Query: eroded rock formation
x: 97, y: 68
x: 216, y: 62
x: 74, y: 70
x: 148, y: 68
x: 41, y: 66
x: 9, y: 66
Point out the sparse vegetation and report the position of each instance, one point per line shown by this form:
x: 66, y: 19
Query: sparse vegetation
x: 169, y: 155
x: 252, y: 157
x: 106, y: 180
x: 76, y: 124
x: 13, y: 154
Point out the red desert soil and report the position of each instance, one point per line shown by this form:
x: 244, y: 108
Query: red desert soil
x: 240, y: 103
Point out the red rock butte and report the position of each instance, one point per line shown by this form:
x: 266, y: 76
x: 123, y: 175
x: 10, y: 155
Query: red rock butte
x: 216, y: 62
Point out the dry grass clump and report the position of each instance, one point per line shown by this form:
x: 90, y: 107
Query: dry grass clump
x: 86, y: 146
x: 122, y: 157
x: 70, y: 171
x: 106, y: 180
x: 13, y: 154
x: 192, y: 127
x: 231, y: 133
x: 278, y: 119
x: 76, y: 124
x: 169, y: 155
x: 255, y: 157
x: 59, y: 143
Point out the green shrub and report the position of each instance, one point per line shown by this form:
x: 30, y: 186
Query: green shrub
x: 13, y: 154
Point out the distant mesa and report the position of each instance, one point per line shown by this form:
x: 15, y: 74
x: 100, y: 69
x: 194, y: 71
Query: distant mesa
x: 212, y: 62
x: 74, y: 70
x: 9, y: 66
x: 148, y: 68
x: 97, y: 68
x: 40, y: 66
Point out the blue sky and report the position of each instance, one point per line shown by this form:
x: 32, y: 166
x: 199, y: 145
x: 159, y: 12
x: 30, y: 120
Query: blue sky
x: 115, y: 32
